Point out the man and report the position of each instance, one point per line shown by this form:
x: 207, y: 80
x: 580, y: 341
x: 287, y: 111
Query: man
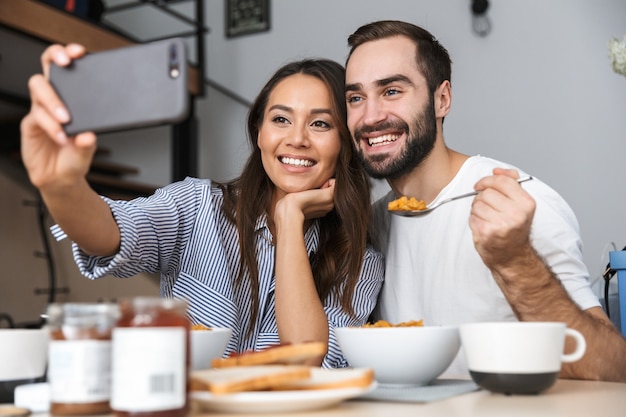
x: 511, y: 253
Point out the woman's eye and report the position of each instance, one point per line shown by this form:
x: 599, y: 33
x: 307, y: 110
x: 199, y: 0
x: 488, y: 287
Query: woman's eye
x: 280, y: 120
x: 321, y: 124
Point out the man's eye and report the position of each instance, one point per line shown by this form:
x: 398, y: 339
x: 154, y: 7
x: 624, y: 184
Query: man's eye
x: 354, y: 99
x: 391, y: 92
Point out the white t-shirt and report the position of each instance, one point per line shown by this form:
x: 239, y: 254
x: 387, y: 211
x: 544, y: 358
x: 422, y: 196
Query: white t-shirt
x: 433, y: 271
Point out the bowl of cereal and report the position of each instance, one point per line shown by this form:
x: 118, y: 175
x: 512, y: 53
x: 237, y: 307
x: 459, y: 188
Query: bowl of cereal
x: 207, y: 344
x: 404, y: 354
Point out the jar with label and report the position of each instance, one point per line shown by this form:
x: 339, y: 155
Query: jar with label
x: 150, y: 348
x: 79, y: 357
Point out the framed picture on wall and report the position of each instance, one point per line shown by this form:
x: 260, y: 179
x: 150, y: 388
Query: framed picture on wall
x: 245, y: 17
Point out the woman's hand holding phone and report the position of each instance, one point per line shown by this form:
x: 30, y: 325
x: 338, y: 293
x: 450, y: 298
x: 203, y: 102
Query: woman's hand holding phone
x: 50, y: 157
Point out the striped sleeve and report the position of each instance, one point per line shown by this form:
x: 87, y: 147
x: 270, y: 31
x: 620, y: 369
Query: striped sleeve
x: 364, y: 300
x: 154, y: 231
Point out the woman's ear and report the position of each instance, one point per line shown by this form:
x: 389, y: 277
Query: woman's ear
x: 443, y: 99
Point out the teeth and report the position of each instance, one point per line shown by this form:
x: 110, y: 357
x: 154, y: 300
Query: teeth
x: 382, y: 139
x: 297, y: 162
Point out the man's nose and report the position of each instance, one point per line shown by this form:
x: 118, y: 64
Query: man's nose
x: 374, y: 112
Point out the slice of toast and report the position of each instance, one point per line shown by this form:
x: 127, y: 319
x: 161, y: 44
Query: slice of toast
x: 246, y: 378
x: 220, y: 381
x: 331, y: 379
x: 281, y: 354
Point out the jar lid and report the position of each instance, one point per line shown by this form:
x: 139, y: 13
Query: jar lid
x: 144, y: 304
x: 83, y: 314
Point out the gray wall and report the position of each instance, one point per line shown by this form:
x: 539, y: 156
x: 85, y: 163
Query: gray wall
x: 537, y: 92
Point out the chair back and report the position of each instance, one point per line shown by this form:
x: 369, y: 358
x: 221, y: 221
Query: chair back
x: 617, y: 261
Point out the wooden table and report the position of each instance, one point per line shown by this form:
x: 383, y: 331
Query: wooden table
x: 567, y: 398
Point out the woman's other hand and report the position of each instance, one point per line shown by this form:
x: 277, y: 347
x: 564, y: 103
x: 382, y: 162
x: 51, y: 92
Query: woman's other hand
x: 309, y: 204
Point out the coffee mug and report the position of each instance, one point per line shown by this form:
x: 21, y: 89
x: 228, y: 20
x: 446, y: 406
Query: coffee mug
x: 23, y: 359
x: 518, y: 357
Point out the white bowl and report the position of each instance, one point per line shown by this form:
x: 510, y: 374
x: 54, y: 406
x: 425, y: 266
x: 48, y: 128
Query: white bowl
x: 207, y: 345
x: 23, y: 353
x: 400, y: 355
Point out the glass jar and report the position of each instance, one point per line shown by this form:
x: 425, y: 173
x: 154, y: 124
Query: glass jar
x: 151, y: 358
x: 79, y: 357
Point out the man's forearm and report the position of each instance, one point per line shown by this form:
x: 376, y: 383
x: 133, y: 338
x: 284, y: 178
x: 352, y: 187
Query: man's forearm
x: 536, y: 294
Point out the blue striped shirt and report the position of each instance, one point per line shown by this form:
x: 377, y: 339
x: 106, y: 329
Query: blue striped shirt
x: 182, y: 233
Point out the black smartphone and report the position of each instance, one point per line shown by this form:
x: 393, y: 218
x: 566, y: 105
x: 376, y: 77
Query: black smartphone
x: 125, y: 88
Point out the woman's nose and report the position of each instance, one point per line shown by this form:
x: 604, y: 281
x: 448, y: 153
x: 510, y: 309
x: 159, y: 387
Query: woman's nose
x: 298, y: 137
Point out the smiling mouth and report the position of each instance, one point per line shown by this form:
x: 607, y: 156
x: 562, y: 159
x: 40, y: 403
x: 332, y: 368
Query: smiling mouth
x: 296, y: 162
x: 382, y: 140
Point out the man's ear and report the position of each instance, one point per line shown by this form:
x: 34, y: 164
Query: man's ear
x: 443, y: 99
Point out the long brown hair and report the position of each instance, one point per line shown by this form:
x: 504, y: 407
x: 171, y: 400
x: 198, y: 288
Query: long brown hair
x: 337, y: 263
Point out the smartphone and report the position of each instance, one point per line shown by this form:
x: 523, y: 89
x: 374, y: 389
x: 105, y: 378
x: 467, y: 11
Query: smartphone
x: 125, y: 88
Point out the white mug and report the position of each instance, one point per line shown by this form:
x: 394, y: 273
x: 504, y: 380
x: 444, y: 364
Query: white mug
x: 518, y: 357
x: 23, y: 359
x: 23, y: 353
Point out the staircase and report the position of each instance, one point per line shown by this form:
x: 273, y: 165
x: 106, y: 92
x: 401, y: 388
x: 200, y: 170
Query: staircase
x: 106, y: 177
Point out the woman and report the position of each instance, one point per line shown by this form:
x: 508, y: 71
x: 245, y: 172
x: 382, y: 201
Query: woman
x: 279, y: 255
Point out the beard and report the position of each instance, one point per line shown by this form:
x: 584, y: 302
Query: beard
x: 420, y: 141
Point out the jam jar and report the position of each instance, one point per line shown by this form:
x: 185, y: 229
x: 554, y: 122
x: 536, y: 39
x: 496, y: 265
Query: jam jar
x: 79, y: 357
x: 150, y: 358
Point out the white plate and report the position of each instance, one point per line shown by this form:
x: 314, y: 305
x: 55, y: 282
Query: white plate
x: 276, y: 401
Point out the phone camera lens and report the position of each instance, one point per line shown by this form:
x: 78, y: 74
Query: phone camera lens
x: 174, y: 69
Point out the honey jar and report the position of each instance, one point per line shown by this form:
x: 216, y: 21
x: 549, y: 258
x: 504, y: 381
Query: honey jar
x: 150, y: 358
x: 79, y: 357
